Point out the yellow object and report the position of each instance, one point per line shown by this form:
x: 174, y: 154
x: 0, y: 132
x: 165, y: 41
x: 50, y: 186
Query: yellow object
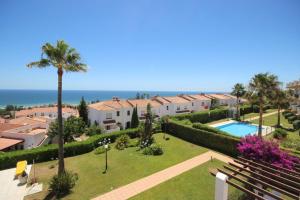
x: 21, y: 167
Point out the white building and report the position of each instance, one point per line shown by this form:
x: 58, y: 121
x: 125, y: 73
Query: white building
x: 112, y: 115
x: 295, y: 105
x: 199, y: 102
x: 223, y: 99
x: 156, y: 107
x: 31, y: 135
x: 47, y: 112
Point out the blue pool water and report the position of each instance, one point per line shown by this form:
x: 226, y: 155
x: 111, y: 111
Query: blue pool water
x: 238, y: 129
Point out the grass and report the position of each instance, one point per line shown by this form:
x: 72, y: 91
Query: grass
x: 196, y: 183
x: 123, y: 167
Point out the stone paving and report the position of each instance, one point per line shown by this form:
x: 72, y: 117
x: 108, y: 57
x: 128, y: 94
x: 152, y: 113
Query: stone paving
x: 9, y: 187
x: 141, y: 185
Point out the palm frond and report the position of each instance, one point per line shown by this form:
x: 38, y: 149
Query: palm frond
x: 40, y: 64
x: 76, y: 67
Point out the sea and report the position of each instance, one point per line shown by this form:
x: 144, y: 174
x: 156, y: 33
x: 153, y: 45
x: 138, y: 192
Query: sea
x: 27, y: 98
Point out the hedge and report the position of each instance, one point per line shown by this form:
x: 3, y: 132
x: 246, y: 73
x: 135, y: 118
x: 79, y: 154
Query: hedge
x: 246, y: 110
x: 292, y: 118
x: 219, y: 142
x: 296, y: 124
x: 287, y: 115
x: 50, y: 152
x: 203, y: 116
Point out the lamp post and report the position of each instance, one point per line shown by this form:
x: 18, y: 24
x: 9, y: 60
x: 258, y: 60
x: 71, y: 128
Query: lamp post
x: 105, y: 143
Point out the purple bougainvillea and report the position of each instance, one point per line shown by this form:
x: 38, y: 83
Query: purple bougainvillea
x: 255, y: 148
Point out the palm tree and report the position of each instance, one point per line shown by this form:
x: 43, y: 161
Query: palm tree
x: 279, y: 100
x: 238, y: 91
x: 261, y: 87
x: 63, y: 58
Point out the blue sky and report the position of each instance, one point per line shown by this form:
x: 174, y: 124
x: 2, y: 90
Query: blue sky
x: 205, y: 45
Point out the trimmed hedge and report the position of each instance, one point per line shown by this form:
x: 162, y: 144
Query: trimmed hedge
x: 50, y: 152
x: 292, y: 118
x: 203, y: 116
x: 287, y: 115
x: 296, y: 124
x: 219, y: 142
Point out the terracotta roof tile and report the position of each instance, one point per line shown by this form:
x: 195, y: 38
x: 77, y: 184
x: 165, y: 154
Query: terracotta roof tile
x: 176, y: 99
x: 7, y: 126
x: 6, y: 142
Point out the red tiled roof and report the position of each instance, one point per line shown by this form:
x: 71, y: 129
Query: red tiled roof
x: 7, y: 126
x: 7, y: 142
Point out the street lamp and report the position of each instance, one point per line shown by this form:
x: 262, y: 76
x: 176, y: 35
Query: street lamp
x: 105, y: 143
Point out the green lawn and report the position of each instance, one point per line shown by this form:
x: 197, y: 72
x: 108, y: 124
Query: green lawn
x: 196, y: 183
x: 272, y: 121
x: 124, y: 167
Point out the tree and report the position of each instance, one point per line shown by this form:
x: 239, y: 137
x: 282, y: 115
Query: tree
x: 279, y: 100
x: 238, y: 91
x: 83, y: 111
x: 134, y: 118
x: 64, y: 58
x: 214, y: 104
x: 73, y: 127
x: 93, y: 130
x: 260, y: 90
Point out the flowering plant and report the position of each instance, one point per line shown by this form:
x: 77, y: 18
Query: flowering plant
x: 255, y: 148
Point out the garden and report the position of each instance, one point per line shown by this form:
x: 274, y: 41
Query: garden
x: 124, y: 166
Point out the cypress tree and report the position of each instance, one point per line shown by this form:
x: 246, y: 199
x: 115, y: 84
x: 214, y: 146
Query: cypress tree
x: 134, y: 118
x: 83, y: 111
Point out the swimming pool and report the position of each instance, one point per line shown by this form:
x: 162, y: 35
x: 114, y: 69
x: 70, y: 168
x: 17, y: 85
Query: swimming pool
x: 238, y: 129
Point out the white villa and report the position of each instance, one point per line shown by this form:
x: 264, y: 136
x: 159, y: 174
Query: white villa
x: 46, y: 112
x: 116, y: 113
x: 295, y: 86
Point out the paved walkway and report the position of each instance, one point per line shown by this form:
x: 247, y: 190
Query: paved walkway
x: 141, y: 185
x: 9, y: 187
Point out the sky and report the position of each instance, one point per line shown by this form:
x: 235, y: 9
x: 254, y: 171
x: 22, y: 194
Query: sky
x: 188, y: 45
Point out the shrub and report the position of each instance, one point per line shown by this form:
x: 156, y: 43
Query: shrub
x: 208, y: 128
x: 246, y: 110
x: 49, y: 152
x: 61, y: 185
x: 255, y: 148
x: 93, y: 130
x: 153, y: 149
x: 291, y: 119
x: 279, y: 134
x: 219, y: 142
x: 287, y: 115
x: 101, y: 150
x: 122, y: 142
x: 203, y: 116
x: 296, y: 124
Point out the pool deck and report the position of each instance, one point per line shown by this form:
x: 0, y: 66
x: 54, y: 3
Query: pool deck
x: 266, y: 129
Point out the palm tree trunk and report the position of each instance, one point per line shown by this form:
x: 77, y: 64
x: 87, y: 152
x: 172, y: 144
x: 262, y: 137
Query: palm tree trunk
x: 237, y: 108
x: 278, y: 116
x: 260, y: 118
x: 61, y: 164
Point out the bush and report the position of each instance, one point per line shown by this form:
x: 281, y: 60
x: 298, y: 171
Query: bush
x: 153, y: 149
x: 101, y: 150
x: 287, y: 115
x: 203, y: 116
x: 219, y: 142
x: 61, y: 185
x: 49, y: 152
x: 256, y: 148
x: 246, y: 110
x: 279, y: 134
x: 93, y: 130
x: 122, y: 142
x: 296, y: 124
x: 291, y: 119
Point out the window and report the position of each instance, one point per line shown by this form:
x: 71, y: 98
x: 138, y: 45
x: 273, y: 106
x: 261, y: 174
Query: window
x: 108, y: 115
x: 128, y: 112
x: 185, y: 107
x: 107, y: 127
x: 202, y: 103
x: 178, y: 107
x: 167, y: 107
x: 118, y: 113
x: 192, y: 103
x: 142, y: 112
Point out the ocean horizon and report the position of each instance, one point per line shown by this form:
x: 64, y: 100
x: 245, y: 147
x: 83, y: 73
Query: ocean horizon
x: 27, y: 98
